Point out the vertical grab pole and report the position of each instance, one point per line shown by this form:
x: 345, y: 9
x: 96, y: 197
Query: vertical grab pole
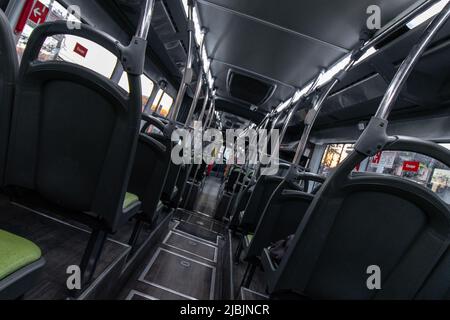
x: 208, y: 115
x: 263, y: 124
x: 211, y: 114
x: 198, y: 89
x: 264, y: 150
x: 204, y: 128
x: 187, y: 74
x: 311, y: 117
x: 296, y: 107
x: 205, y: 103
x: 163, y: 88
x: 144, y: 26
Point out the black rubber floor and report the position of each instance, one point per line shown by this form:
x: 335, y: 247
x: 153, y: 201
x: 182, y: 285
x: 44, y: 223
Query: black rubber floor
x: 62, y: 245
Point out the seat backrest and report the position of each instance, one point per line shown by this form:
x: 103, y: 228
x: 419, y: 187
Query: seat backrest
x: 364, y: 220
x: 280, y: 219
x: 74, y: 132
x: 151, y: 165
x: 240, y: 203
x: 181, y: 185
x: 199, y: 173
x: 170, y: 190
x: 284, y: 211
x: 264, y: 188
x: 8, y: 74
x: 232, y: 178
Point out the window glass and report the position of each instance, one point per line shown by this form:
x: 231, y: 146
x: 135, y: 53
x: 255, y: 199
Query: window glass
x: 419, y: 168
x: 162, y: 103
x: 79, y: 51
x: 154, y: 130
x: 56, y: 12
x: 416, y: 167
x: 147, y: 87
x: 67, y: 47
x: 333, y: 156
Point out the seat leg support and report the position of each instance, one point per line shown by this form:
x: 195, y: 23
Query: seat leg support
x: 136, y: 232
x: 247, y: 278
x: 237, y: 255
x: 91, y: 255
x: 250, y: 274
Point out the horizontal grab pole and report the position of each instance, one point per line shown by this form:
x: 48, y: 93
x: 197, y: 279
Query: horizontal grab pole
x: 410, y: 62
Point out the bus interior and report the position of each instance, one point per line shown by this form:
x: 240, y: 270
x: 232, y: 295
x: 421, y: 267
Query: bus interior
x: 353, y: 98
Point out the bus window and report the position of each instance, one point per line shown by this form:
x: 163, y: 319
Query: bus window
x: 416, y: 167
x: 79, y: 51
x: 67, y: 47
x: 56, y: 12
x: 421, y: 169
x: 147, y: 87
x: 334, y: 155
x: 162, y: 103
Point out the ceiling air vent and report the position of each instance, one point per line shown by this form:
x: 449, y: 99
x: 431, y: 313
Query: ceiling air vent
x: 248, y: 89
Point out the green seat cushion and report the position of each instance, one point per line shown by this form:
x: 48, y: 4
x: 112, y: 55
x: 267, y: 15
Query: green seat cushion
x: 249, y: 238
x: 129, y: 200
x: 16, y: 253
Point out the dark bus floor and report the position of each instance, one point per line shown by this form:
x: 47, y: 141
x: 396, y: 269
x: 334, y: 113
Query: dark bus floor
x: 193, y: 260
x: 186, y: 255
x: 62, y: 243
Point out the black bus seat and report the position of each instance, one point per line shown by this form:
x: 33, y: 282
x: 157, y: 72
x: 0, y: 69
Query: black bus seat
x: 8, y: 75
x: 281, y: 218
x: 275, y: 222
x: 170, y: 190
x: 240, y: 204
x: 180, y: 186
x: 232, y: 178
x: 20, y: 265
x: 20, y: 260
x: 246, y: 221
x: 193, y: 186
x: 170, y: 196
x: 357, y: 221
x: 151, y: 165
x: 242, y: 200
x: 229, y: 200
x: 264, y: 188
x: 78, y: 154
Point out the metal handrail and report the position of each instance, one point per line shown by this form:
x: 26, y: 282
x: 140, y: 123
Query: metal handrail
x: 145, y: 24
x: 410, y: 62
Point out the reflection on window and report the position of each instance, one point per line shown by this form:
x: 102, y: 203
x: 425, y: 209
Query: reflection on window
x: 56, y: 12
x: 154, y: 130
x: 147, y: 87
x: 415, y: 167
x: 79, y: 51
x: 67, y: 47
x: 162, y: 103
x: 334, y: 155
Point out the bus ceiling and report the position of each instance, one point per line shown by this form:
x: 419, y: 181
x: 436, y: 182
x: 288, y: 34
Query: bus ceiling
x: 260, y: 55
x: 281, y: 47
